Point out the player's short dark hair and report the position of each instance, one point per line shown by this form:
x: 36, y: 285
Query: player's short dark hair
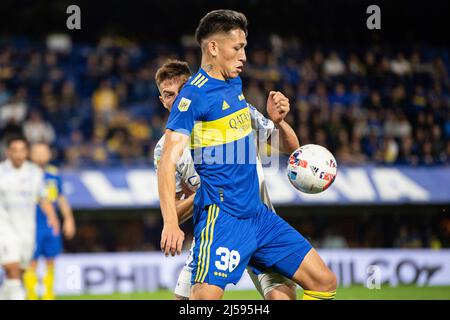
x: 220, y: 21
x: 172, y: 69
x: 10, y: 140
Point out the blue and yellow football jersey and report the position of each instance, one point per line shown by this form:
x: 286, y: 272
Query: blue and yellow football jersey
x: 48, y: 244
x: 216, y: 116
x: 53, y: 185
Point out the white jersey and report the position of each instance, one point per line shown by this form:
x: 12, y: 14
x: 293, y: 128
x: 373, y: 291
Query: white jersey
x: 20, y: 190
x: 184, y: 173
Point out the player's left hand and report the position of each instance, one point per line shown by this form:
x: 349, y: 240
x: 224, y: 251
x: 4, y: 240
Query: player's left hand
x: 53, y: 222
x: 277, y: 106
x: 69, y: 228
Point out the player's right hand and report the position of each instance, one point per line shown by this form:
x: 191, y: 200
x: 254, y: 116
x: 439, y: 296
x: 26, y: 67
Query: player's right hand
x: 69, y: 228
x: 172, y: 238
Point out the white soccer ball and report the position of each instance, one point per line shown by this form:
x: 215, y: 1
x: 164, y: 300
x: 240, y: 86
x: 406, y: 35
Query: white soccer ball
x: 311, y: 168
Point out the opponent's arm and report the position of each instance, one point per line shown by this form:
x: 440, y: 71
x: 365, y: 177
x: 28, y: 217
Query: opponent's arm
x: 172, y: 236
x: 68, y: 222
x: 288, y: 139
x: 277, y: 108
x: 185, y: 208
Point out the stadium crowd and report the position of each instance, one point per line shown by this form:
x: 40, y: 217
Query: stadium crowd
x: 98, y: 105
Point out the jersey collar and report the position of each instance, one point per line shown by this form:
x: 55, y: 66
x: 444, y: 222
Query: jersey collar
x: 9, y: 165
x: 203, y: 72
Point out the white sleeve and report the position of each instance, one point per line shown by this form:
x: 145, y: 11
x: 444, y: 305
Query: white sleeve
x: 186, y: 171
x: 157, y: 157
x: 41, y: 190
x: 264, y: 127
x: 3, y: 211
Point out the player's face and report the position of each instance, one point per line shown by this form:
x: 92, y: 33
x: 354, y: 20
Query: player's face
x: 17, y: 153
x: 40, y: 154
x: 231, y: 53
x: 169, y: 90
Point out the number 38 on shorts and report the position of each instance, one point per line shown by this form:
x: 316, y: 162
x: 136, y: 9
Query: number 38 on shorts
x: 221, y: 252
x: 227, y: 260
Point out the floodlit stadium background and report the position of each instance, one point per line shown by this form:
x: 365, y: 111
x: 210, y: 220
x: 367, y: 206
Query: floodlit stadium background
x: 379, y: 100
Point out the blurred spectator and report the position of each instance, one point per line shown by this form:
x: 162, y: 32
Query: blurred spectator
x: 400, y: 66
x: 255, y: 96
x: 15, y: 110
x: 37, y: 130
x: 104, y: 100
x: 4, y: 94
x: 333, y: 65
x: 69, y: 97
x: 49, y: 99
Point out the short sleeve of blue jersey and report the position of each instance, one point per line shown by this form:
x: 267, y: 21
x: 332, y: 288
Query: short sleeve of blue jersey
x: 188, y: 107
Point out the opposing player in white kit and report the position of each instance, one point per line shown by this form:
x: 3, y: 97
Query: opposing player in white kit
x: 170, y: 78
x: 21, y: 188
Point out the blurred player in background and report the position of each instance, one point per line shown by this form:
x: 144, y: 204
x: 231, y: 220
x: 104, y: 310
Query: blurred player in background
x: 170, y: 78
x: 21, y: 188
x: 48, y: 245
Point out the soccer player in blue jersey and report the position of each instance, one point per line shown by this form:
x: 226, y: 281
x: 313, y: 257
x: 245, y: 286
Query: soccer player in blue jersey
x: 48, y: 245
x: 232, y: 227
x: 170, y: 78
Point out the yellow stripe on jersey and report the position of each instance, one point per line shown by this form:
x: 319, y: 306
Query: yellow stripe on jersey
x: 203, y: 241
x: 202, y: 83
x: 52, y: 191
x: 195, y: 83
x: 51, y: 169
x: 221, y: 131
x: 196, y: 78
x: 208, y: 248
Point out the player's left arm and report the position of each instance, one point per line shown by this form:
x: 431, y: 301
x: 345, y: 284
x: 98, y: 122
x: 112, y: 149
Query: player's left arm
x: 46, y: 205
x: 277, y: 108
x: 69, y: 228
x: 50, y: 212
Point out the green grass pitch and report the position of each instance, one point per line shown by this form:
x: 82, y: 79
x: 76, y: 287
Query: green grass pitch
x: 350, y: 293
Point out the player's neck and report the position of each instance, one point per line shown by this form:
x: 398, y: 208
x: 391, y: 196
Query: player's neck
x: 16, y: 166
x: 212, y: 70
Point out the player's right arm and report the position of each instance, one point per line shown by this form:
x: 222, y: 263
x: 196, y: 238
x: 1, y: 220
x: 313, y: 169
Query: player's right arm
x: 172, y: 237
x: 184, y: 197
x: 187, y: 108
